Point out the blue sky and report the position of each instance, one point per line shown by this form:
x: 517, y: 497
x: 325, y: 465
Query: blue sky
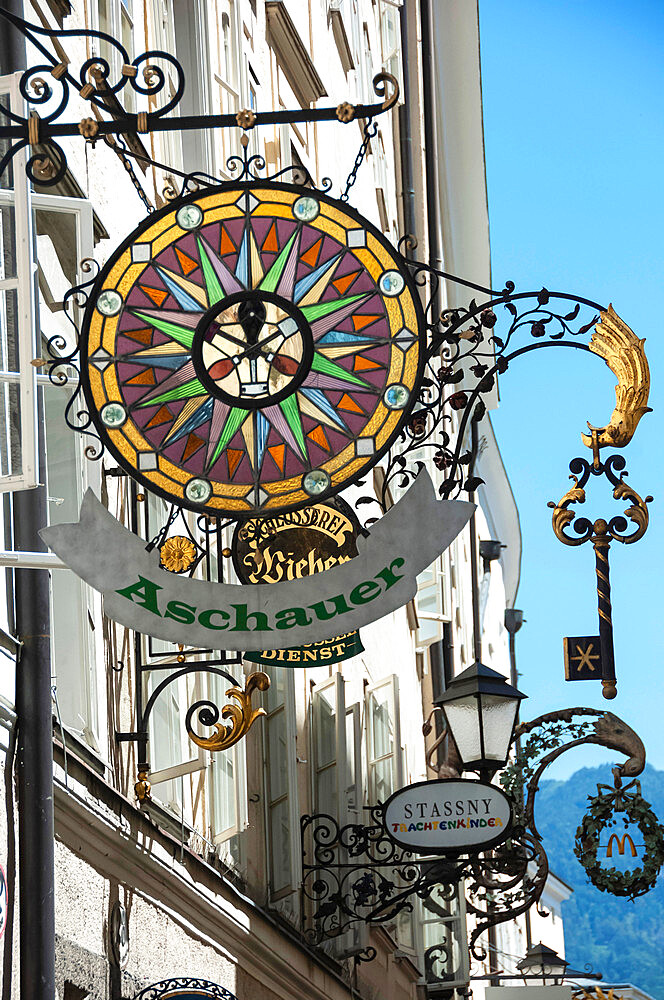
x: 574, y: 146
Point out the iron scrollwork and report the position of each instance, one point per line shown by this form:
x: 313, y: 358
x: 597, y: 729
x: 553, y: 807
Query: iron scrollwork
x: 358, y: 873
x: 168, y: 988
x: 152, y: 74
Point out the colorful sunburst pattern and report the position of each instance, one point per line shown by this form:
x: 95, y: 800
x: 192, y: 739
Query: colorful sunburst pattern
x: 251, y: 349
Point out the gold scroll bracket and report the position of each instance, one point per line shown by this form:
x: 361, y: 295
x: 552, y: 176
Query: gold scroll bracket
x: 241, y: 716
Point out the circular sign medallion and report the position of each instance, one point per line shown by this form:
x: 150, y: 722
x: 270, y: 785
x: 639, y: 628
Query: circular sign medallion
x: 448, y: 816
x: 295, y: 544
x: 252, y: 348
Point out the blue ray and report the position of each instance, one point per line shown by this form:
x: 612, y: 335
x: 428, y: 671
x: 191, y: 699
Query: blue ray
x: 184, y: 299
x: 197, y: 418
x: 318, y: 397
x: 173, y: 361
x: 242, y: 267
x: 339, y: 337
x: 304, y: 284
x: 262, y: 431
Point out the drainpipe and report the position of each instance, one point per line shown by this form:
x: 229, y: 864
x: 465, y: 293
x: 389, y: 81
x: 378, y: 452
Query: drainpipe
x: 406, y: 135
x: 34, y: 760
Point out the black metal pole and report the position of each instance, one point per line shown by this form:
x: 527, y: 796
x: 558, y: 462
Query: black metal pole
x: 34, y: 763
x: 34, y: 759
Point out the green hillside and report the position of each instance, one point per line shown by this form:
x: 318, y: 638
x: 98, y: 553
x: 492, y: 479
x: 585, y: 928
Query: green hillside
x: 624, y: 940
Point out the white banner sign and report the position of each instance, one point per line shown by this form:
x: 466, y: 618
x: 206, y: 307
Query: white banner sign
x: 434, y: 817
x: 139, y: 593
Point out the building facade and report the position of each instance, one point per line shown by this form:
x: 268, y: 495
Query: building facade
x: 202, y: 878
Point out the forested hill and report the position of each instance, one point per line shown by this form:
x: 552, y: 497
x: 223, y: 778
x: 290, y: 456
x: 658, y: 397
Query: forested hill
x: 621, y: 939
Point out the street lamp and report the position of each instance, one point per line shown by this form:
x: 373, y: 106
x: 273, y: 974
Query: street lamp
x: 480, y: 708
x: 543, y: 963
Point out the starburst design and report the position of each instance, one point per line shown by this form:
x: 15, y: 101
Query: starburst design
x: 256, y: 348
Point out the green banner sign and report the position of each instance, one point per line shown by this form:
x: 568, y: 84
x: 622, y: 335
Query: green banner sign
x: 314, y: 654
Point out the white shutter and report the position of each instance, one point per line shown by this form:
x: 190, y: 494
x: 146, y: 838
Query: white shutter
x: 383, y: 739
x: 329, y: 747
x: 18, y: 377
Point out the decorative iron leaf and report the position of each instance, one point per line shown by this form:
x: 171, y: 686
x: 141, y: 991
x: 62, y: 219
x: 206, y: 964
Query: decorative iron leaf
x: 574, y: 313
x: 511, y: 307
x: 543, y: 296
x: 588, y: 326
x: 479, y: 410
x: 471, y: 484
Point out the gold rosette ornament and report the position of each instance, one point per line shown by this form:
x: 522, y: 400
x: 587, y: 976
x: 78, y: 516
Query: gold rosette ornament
x: 177, y: 554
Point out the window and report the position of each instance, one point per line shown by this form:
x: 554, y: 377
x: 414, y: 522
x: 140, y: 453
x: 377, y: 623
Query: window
x: 73, y: 647
x: 225, y: 74
x: 115, y: 18
x: 433, y: 600
x: 283, y: 817
x: 354, y: 788
x: 329, y: 747
x: 444, y: 936
x: 390, y: 37
x: 228, y: 784
x: 18, y: 439
x: 383, y: 739
x: 63, y: 228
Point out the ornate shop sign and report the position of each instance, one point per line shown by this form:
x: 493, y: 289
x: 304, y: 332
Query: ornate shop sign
x: 250, y: 348
x: 142, y: 595
x: 185, y: 988
x: 289, y: 547
x: 448, y: 816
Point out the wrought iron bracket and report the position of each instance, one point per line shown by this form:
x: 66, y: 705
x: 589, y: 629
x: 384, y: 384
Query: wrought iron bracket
x: 148, y: 75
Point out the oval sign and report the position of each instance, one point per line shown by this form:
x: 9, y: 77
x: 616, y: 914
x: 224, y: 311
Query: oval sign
x: 449, y: 815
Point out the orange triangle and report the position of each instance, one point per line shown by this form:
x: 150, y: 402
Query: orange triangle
x: 145, y: 377
x: 346, y: 403
x: 162, y: 416
x: 156, y: 294
x: 317, y: 435
x: 186, y: 263
x: 234, y: 456
x: 362, y: 364
x: 278, y: 453
x: 142, y: 336
x: 311, y: 256
x: 227, y: 245
x: 361, y: 321
x: 193, y: 444
x: 341, y: 284
x: 271, y: 245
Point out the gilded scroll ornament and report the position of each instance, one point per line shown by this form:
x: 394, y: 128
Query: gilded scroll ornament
x: 241, y: 716
x: 624, y: 354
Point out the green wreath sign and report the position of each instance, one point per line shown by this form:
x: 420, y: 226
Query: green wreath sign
x: 603, y: 813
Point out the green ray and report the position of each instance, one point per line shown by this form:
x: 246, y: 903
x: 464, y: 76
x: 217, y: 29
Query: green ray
x: 184, y: 391
x: 234, y: 421
x: 271, y: 279
x: 326, y: 367
x: 291, y: 410
x: 181, y: 334
x: 312, y: 313
x: 213, y: 286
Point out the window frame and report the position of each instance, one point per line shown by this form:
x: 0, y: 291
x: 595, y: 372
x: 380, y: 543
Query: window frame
x: 19, y: 197
x: 288, y: 706
x: 339, y: 762
x: 391, y: 682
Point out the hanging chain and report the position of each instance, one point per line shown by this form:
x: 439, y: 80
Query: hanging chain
x: 370, y: 131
